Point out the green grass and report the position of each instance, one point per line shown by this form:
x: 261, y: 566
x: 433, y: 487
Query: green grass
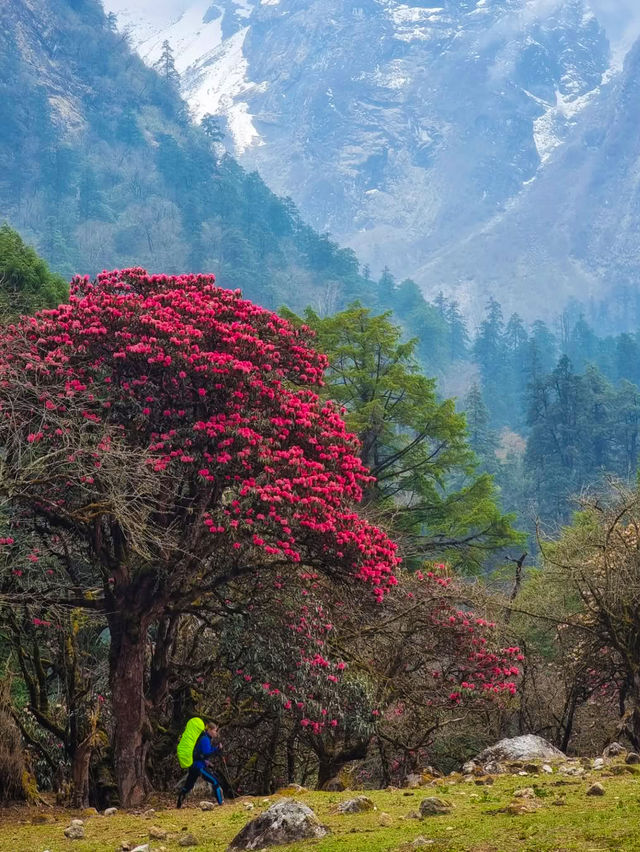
x: 611, y: 822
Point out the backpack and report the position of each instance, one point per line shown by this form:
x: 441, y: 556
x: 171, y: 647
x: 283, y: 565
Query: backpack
x: 188, y: 740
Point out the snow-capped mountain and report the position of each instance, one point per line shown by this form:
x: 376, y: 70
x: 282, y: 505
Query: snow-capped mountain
x: 574, y: 230
x: 401, y: 128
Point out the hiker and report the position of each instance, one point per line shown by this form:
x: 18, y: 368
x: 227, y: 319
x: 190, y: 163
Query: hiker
x: 196, y: 756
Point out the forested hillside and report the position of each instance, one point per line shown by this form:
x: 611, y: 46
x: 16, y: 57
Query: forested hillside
x: 100, y: 167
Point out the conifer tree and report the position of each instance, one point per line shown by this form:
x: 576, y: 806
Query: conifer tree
x: 427, y: 490
x: 166, y: 66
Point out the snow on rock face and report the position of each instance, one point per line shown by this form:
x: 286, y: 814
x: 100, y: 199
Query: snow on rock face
x: 403, y: 129
x: 207, y: 41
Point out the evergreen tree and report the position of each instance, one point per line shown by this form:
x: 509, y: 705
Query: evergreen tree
x: 211, y: 126
x: 627, y: 358
x: 441, y: 304
x: 26, y: 282
x: 427, y: 489
x: 582, y: 345
x: 386, y: 288
x: 516, y: 343
x: 458, y: 334
x: 542, y: 350
x: 482, y: 439
x: 627, y: 417
x: 166, y: 67
x: 489, y: 353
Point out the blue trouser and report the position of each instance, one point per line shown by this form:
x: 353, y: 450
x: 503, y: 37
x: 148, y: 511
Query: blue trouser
x: 196, y: 772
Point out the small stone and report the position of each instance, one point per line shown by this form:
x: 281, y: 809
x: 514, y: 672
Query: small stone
x: 484, y: 782
x: 519, y: 808
x: 125, y: 846
x: 532, y: 768
x: 419, y: 843
x: 434, y: 807
x: 157, y: 833
x: 334, y: 785
x: 74, y: 832
x: 525, y: 793
x: 546, y: 768
x: 188, y: 840
x: 598, y: 763
x: 110, y: 811
x: 356, y: 806
x: 614, y: 750
x: 632, y: 757
x: 522, y: 773
x: 468, y: 767
x: 77, y: 822
x: 385, y: 819
x: 143, y: 848
x: 206, y: 806
x: 595, y: 790
x: 149, y: 813
x: 494, y: 768
x: 248, y: 806
x: 412, y: 781
x: 413, y: 815
x: 575, y: 771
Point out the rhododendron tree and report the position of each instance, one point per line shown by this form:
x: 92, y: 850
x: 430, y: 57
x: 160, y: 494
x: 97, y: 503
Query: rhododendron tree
x: 328, y: 678
x: 161, y: 438
x: 434, y: 663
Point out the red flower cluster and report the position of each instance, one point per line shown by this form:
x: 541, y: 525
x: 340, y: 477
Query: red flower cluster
x: 215, y: 392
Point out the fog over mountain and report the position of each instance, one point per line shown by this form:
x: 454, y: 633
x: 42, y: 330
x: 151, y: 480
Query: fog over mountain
x: 406, y: 131
x: 621, y: 20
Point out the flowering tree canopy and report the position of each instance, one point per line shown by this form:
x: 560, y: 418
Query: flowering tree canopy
x: 162, y: 436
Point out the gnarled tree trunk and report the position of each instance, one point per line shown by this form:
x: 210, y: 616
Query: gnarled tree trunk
x: 80, y: 774
x: 132, y: 729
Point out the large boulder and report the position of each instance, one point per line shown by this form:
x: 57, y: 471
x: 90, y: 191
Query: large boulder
x: 527, y: 747
x: 614, y: 750
x: 287, y: 821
